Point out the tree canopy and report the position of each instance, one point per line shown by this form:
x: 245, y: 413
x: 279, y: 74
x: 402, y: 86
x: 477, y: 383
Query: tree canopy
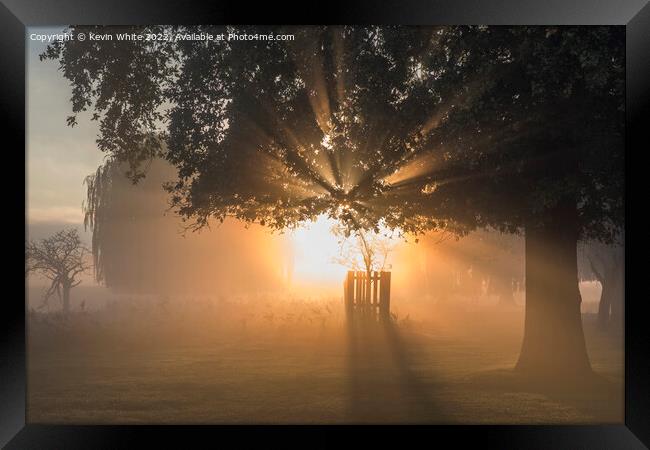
x: 415, y: 128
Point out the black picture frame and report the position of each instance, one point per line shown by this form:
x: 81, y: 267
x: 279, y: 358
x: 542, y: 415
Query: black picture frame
x: 16, y: 15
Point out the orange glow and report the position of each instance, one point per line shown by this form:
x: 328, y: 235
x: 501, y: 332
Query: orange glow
x: 317, y: 257
x: 315, y: 248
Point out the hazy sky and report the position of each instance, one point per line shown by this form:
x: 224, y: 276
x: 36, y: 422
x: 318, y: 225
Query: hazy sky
x: 58, y: 157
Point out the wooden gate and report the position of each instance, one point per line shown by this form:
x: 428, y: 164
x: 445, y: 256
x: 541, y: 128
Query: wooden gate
x: 367, y: 295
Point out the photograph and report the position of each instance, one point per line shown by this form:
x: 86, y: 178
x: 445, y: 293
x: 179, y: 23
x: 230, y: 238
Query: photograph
x: 325, y: 224
x: 285, y: 225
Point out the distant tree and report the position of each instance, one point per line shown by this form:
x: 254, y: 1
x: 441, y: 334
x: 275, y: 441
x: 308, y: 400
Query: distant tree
x: 139, y: 246
x: 606, y: 265
x: 61, y: 258
x: 122, y: 218
x: 502, y: 263
x: 484, y: 259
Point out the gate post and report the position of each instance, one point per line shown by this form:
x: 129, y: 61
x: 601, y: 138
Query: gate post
x: 348, y: 294
x: 384, y: 295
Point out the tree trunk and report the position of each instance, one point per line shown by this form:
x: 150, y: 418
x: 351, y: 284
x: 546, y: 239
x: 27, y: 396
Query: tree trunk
x: 553, y: 344
x: 605, y: 304
x: 617, y: 297
x: 66, y: 300
x: 610, y: 307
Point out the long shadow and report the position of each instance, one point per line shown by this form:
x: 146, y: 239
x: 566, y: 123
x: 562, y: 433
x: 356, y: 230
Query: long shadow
x: 421, y: 404
x: 595, y: 397
x: 383, y: 388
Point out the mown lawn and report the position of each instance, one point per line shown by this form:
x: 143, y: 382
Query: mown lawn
x: 450, y: 370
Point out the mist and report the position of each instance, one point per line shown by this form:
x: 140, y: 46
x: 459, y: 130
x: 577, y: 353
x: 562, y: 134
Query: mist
x: 353, y: 225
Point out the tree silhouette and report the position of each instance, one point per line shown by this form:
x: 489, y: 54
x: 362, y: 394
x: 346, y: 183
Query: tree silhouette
x: 363, y: 250
x: 61, y: 258
x: 453, y: 128
x: 139, y: 246
x: 548, y: 132
x: 605, y: 264
x: 266, y: 131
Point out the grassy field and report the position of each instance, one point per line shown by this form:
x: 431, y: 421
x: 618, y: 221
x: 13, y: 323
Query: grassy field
x: 192, y: 368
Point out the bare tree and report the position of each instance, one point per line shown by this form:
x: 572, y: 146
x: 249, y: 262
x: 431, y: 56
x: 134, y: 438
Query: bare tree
x: 61, y: 258
x: 363, y: 250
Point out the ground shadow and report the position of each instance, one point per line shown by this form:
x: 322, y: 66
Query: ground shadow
x: 383, y: 387
x: 596, y: 397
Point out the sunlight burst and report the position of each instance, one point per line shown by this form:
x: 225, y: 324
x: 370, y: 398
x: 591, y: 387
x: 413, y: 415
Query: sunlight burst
x: 315, y: 250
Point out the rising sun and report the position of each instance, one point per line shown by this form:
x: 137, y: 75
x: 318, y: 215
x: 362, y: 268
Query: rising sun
x: 315, y: 249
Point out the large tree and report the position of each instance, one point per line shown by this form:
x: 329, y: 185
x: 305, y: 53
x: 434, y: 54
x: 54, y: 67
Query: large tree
x: 518, y: 128
x: 548, y: 133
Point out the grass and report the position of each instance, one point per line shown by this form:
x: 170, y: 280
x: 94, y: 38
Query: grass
x: 452, y: 367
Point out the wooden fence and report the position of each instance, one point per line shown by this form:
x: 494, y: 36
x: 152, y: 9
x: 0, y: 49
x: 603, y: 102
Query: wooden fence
x: 367, y: 295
